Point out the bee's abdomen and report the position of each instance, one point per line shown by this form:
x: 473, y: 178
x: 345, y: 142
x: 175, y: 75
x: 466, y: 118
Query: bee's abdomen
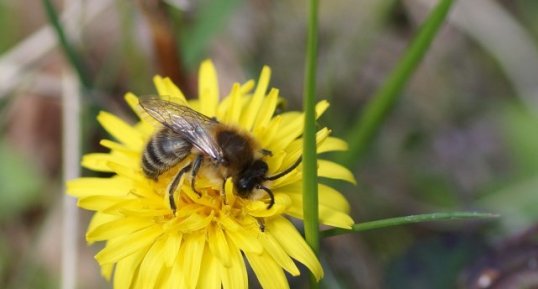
x: 164, y: 150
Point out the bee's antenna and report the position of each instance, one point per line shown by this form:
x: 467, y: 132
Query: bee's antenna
x: 284, y: 172
x: 270, y: 193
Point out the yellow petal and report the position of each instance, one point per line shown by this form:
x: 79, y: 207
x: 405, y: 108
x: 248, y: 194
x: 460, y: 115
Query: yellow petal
x: 100, y: 218
x: 328, y: 196
x: 152, y: 264
x: 123, y: 226
x: 294, y: 244
x: 259, y: 209
x: 129, y: 170
x: 97, y: 162
x: 120, y: 130
x: 126, y: 268
x: 218, y: 245
x: 280, y: 256
x: 267, y: 109
x: 266, y: 135
x: 327, y: 216
x: 166, y: 87
x: 246, y: 240
x: 233, y: 112
x: 195, y: 222
x: 123, y: 246
x: 321, y: 107
x: 208, y: 89
x: 172, y: 248
x: 247, y: 87
x: 230, y: 225
x: 275, y: 162
x: 148, y: 125
x: 332, y: 170
x: 158, y: 81
x: 190, y: 254
x: 132, y: 101
x: 164, y: 280
x: 332, y: 144
x: 99, y: 203
x: 332, y: 198
x: 268, y: 272
x: 177, y: 276
x: 174, y: 93
x: 248, y: 117
x: 237, y: 277
x: 295, y: 150
x: 230, y: 200
x: 209, y: 273
x: 114, y: 146
x: 291, y: 127
x: 293, y: 177
x: 85, y: 187
x: 106, y: 271
x: 334, y: 218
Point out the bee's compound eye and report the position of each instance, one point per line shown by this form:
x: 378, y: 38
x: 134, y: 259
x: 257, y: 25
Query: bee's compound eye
x: 223, y: 162
x: 243, y: 184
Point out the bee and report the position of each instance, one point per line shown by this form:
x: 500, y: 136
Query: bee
x: 185, y: 132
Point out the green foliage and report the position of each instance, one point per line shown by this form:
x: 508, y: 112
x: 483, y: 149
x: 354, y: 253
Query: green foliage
x: 433, y: 263
x: 20, y: 182
x: 7, y: 29
x: 196, y: 37
x: 69, y: 50
x: 517, y: 199
x: 520, y: 128
x: 398, y: 221
x: 373, y: 115
x: 310, y: 180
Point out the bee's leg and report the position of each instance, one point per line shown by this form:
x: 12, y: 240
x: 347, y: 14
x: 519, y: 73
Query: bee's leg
x: 261, y: 223
x: 266, y: 152
x: 173, y: 186
x: 270, y: 193
x: 195, y: 167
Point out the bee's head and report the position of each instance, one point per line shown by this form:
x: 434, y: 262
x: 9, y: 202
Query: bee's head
x: 250, y: 177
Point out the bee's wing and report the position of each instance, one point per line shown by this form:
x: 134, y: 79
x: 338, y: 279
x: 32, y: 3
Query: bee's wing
x: 192, y: 125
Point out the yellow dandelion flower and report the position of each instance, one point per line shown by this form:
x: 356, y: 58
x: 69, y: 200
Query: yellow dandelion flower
x: 205, y: 242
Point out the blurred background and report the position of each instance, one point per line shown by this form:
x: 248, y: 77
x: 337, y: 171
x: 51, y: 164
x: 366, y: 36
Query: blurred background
x: 462, y: 137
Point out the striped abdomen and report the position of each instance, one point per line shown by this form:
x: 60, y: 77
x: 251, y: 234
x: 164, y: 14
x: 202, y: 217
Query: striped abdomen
x: 164, y: 150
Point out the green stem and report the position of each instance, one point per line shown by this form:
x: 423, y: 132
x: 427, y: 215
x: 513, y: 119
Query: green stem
x: 310, y: 183
x: 406, y: 220
x: 68, y: 49
x: 377, y: 109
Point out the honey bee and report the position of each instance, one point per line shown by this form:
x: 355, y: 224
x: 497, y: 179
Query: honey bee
x: 233, y: 153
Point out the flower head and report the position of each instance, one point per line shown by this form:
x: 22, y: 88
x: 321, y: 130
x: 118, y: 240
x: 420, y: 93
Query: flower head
x: 205, y: 242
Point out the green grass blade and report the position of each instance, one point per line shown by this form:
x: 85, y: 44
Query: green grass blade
x: 310, y: 183
x: 377, y: 109
x: 68, y: 49
x: 210, y: 20
x: 407, y: 220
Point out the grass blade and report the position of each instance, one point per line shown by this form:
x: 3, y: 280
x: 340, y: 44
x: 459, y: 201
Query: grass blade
x: 407, y: 220
x: 310, y: 182
x: 68, y: 49
x: 377, y: 109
